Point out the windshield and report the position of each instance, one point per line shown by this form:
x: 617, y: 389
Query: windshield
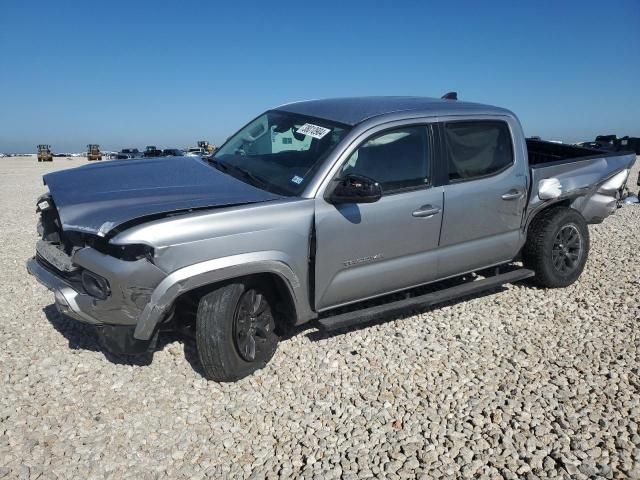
x: 279, y: 151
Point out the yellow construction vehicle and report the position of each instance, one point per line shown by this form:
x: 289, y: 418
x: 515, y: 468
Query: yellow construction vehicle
x: 206, y: 146
x: 93, y: 152
x: 44, y: 153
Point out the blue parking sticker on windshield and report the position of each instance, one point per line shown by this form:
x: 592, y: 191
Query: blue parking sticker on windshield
x: 297, y: 180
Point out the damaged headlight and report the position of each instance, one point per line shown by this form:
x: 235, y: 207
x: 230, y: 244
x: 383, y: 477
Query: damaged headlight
x: 132, y: 252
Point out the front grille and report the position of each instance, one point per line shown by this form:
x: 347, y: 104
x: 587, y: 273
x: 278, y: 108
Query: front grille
x: 55, y: 255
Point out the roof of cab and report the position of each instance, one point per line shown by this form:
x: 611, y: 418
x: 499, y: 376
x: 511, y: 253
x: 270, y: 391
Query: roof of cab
x: 354, y: 110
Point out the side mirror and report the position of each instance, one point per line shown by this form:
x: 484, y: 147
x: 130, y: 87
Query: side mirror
x: 355, y: 189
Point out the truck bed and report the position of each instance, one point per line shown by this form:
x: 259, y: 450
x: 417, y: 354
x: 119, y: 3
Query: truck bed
x: 580, y: 174
x: 541, y: 152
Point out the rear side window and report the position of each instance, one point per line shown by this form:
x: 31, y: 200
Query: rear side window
x: 477, y: 148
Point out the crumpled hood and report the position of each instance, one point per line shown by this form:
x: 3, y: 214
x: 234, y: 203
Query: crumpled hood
x: 97, y: 197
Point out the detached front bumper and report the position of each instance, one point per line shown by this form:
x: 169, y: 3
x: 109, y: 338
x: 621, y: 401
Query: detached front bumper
x: 68, y: 300
x: 116, y: 317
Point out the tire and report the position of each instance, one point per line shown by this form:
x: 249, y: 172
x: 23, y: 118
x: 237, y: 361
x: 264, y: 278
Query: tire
x: 557, y: 247
x: 235, y: 330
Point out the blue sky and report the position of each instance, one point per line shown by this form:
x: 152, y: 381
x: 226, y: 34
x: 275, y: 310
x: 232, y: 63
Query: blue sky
x: 133, y: 73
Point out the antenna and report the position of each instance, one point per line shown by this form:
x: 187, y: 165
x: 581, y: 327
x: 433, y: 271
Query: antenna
x: 450, y: 96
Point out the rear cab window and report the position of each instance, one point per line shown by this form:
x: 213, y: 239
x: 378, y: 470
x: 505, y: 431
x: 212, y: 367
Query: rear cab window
x: 477, y: 148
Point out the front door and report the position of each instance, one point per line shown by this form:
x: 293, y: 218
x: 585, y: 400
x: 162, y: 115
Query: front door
x: 365, y: 250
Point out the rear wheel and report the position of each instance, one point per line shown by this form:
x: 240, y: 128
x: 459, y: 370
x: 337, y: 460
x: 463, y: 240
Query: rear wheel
x: 235, y: 330
x: 557, y: 247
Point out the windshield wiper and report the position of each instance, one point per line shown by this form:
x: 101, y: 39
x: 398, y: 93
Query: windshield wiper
x: 218, y: 164
x: 247, y: 175
x: 257, y: 181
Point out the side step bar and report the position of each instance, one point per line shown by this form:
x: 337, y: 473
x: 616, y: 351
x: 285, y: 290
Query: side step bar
x: 366, y: 315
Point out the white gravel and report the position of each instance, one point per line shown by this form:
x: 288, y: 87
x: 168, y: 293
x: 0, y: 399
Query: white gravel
x: 525, y: 383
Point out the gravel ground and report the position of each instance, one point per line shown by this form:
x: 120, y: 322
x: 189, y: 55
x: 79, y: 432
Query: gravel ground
x: 524, y: 383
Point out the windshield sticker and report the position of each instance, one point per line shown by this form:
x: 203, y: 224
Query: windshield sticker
x: 297, y: 180
x: 313, y: 130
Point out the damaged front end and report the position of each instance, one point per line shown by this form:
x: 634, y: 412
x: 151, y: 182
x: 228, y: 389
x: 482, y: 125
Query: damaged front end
x: 94, y: 281
x: 109, y: 285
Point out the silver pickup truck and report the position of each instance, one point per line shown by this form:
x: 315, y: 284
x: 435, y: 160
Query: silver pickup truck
x: 335, y: 211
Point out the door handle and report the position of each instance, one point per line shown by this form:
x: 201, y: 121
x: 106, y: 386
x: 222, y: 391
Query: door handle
x: 426, y: 211
x: 512, y: 195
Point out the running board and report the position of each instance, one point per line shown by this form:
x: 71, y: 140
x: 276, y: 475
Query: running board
x: 366, y: 315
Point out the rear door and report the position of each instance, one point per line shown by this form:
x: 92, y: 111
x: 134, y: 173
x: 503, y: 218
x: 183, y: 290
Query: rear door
x: 485, y: 192
x: 365, y: 250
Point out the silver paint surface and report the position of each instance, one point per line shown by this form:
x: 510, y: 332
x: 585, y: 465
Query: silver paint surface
x: 581, y: 185
x: 355, y: 110
x: 97, y: 197
x: 475, y: 227
x: 132, y: 284
x: 479, y: 227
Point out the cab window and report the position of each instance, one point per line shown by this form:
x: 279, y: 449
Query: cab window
x: 396, y: 159
x: 477, y: 148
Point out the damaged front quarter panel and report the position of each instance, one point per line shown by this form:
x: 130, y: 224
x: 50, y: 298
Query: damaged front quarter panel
x: 131, y: 283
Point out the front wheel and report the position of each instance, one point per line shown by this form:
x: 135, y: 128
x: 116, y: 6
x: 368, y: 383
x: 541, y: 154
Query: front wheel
x: 235, y: 330
x: 557, y: 247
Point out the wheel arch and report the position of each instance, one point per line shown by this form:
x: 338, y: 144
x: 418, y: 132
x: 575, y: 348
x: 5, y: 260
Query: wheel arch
x: 564, y: 203
x: 207, y: 275
x: 277, y: 285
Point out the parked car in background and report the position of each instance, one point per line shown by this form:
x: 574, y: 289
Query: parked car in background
x: 127, y: 153
x: 631, y: 144
x: 594, y: 145
x: 606, y: 139
x: 607, y: 142
x: 366, y: 198
x: 195, y: 152
x: 151, y: 152
x: 172, y: 152
x: 612, y: 143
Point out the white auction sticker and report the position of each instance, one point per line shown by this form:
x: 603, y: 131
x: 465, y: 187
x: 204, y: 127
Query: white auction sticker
x: 313, y: 130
